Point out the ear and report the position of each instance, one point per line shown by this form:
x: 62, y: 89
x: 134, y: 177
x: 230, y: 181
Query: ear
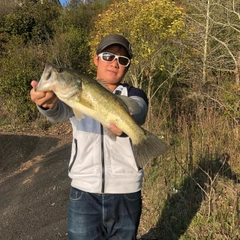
x: 95, y: 60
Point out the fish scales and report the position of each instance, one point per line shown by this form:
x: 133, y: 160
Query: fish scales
x: 108, y: 108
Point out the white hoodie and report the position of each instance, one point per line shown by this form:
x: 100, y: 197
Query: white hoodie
x: 99, y: 164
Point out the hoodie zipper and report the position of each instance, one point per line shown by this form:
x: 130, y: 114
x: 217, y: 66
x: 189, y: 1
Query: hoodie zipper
x: 75, y: 155
x: 102, y: 160
x: 117, y: 92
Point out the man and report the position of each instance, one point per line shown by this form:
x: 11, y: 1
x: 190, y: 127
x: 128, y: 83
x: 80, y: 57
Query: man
x: 105, y: 197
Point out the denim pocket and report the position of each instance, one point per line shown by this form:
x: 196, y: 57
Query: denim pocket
x: 133, y: 196
x: 75, y: 194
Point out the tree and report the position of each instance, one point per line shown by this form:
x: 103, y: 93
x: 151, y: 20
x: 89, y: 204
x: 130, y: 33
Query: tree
x: 149, y: 25
x: 19, y: 66
x: 212, y: 46
x: 69, y: 47
x: 23, y: 32
x: 32, y: 21
x: 216, y: 30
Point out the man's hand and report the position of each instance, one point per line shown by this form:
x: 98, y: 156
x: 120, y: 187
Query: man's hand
x: 115, y: 129
x: 44, y: 99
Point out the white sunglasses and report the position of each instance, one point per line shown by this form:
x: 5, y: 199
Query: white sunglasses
x: 110, y: 57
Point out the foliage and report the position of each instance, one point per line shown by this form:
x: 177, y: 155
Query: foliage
x: 18, y: 68
x: 154, y: 23
x: 213, y: 38
x: 32, y: 21
x: 21, y: 60
x: 69, y: 46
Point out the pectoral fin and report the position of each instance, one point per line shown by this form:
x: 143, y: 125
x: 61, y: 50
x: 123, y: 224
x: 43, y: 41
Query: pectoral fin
x: 78, y: 114
x: 131, y: 104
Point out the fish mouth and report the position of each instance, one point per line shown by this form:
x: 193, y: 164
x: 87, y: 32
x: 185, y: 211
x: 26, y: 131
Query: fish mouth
x: 48, y: 71
x: 44, y: 83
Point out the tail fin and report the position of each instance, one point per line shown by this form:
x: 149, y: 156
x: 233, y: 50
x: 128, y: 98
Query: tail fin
x: 151, y: 146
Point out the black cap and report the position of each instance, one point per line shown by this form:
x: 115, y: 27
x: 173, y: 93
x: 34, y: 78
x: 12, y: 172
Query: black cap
x: 115, y: 39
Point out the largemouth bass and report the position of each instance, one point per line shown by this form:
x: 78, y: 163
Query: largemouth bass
x: 87, y: 96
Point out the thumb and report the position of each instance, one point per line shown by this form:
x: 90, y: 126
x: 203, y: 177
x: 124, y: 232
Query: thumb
x: 34, y: 83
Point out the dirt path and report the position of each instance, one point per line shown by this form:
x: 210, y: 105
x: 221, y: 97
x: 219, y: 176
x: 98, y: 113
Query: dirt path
x: 34, y: 183
x: 34, y: 186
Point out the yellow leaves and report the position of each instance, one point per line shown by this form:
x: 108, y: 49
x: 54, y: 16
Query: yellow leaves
x: 161, y: 67
x: 143, y: 17
x: 147, y: 24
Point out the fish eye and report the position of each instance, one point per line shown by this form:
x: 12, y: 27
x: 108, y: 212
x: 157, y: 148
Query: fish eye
x: 60, y: 70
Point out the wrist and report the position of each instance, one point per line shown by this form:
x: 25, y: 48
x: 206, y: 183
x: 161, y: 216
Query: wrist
x: 43, y: 108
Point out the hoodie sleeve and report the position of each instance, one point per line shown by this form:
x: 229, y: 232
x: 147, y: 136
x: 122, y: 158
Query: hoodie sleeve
x: 141, y: 98
x: 60, y: 113
x: 141, y: 116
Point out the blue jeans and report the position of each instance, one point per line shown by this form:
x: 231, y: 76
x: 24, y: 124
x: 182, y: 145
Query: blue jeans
x: 103, y: 216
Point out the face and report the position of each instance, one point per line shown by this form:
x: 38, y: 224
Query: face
x: 111, y: 72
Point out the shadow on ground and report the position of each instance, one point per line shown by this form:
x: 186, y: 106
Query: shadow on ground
x: 181, y: 207
x: 34, y: 187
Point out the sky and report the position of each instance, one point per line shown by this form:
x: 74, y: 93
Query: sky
x: 63, y: 2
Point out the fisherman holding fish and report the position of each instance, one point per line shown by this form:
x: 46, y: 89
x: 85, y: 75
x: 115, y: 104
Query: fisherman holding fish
x: 109, y: 148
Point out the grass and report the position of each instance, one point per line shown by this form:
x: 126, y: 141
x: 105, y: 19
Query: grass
x: 193, y: 191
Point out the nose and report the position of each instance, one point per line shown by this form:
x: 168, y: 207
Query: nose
x: 115, y: 63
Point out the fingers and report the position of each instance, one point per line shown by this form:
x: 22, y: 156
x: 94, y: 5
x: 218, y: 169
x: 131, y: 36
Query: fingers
x: 34, y: 84
x: 115, y: 129
x: 37, y: 97
x: 49, y: 100
x: 43, y: 99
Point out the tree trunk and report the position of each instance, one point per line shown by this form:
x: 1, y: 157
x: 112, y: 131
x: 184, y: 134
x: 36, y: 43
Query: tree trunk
x: 237, y: 69
x: 205, y: 53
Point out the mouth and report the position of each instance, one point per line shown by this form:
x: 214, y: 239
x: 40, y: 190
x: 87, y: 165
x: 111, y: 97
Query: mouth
x: 112, y: 71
